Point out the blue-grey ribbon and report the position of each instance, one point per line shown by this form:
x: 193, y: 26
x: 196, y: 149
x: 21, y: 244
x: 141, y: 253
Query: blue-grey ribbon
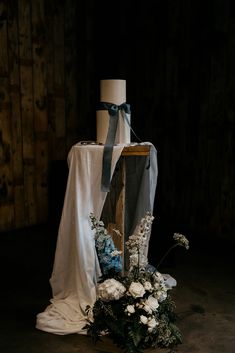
x: 113, y: 111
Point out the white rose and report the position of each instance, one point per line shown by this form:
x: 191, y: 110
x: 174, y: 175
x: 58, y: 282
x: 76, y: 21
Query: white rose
x: 147, y: 285
x: 110, y: 289
x: 152, y: 323
x: 130, y: 309
x: 152, y: 303
x: 136, y: 289
x: 143, y: 319
x: 147, y: 309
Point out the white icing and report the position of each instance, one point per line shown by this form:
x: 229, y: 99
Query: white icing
x: 113, y: 91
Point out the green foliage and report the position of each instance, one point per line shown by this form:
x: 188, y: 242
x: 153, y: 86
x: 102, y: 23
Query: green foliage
x: 128, y: 333
x: 136, y: 309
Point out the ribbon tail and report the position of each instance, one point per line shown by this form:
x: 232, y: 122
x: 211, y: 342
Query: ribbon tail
x: 106, y: 170
x: 126, y: 119
x: 108, y: 153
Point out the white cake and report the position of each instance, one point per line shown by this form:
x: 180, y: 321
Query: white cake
x: 113, y: 91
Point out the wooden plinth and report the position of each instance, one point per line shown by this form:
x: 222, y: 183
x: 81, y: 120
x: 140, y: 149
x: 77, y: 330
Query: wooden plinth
x: 138, y: 150
x: 113, y: 214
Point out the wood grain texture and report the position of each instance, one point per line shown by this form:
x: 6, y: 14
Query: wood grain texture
x: 3, y: 40
x: 178, y: 59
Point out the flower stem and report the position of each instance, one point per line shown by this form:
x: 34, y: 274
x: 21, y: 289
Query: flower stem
x: 165, y: 255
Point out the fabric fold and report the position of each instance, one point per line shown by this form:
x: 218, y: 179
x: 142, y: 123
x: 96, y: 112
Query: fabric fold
x: 76, y: 267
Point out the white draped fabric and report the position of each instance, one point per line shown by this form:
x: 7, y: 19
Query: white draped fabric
x: 76, y: 268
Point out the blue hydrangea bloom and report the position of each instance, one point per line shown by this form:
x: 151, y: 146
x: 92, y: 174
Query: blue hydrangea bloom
x: 107, y: 254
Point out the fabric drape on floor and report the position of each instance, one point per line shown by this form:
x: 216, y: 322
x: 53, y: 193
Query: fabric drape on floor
x: 76, y: 268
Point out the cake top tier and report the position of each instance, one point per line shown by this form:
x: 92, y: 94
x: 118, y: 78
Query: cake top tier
x: 113, y: 91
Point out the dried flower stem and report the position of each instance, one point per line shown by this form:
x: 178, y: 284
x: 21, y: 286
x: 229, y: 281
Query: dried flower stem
x: 165, y: 255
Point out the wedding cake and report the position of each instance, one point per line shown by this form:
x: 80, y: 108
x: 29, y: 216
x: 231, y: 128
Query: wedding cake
x: 76, y: 269
x: 113, y: 94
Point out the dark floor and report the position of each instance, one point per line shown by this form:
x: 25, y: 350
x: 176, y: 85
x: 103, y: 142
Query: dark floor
x: 205, y: 297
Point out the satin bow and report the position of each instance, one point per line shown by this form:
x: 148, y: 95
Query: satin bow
x: 113, y: 110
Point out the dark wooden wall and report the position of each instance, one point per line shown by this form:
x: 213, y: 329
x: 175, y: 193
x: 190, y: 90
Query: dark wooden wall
x: 37, y: 103
x: 178, y: 59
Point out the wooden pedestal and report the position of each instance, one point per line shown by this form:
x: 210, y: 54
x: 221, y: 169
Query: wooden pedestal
x: 113, y: 214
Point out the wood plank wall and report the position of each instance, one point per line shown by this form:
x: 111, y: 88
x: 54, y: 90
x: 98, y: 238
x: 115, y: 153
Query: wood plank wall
x: 178, y: 59
x: 38, y: 122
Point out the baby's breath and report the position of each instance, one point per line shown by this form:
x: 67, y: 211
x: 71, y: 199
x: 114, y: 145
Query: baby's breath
x: 181, y: 240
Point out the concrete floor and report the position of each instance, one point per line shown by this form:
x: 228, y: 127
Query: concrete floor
x: 205, y: 298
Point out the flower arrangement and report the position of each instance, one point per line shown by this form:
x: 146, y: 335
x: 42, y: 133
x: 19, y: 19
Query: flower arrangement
x: 109, y: 257
x: 135, y: 308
